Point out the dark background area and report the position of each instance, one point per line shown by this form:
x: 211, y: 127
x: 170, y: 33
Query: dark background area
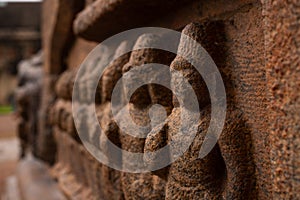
x: 19, y: 39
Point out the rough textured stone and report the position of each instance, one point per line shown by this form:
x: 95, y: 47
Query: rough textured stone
x: 282, y: 52
x: 246, y: 74
x: 63, y: 118
x: 78, y: 52
x: 145, y: 185
x: 227, y: 171
x: 46, y: 143
x: 113, y: 72
x: 74, y: 170
x: 110, y: 177
x: 90, y: 74
x: 103, y: 182
x: 127, y: 14
x: 57, y: 31
x: 65, y: 84
x: 256, y: 156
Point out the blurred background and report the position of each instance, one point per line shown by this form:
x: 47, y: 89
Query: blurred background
x: 20, y: 38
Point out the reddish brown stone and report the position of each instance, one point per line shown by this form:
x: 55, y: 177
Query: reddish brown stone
x: 57, y: 32
x: 46, y: 142
x: 136, y: 186
x: 261, y: 101
x: 100, y: 15
x: 282, y: 67
x: 65, y: 84
x: 78, y: 52
x: 228, y: 170
x: 111, y: 178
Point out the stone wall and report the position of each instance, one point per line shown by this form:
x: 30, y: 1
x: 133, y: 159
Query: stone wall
x: 254, y: 48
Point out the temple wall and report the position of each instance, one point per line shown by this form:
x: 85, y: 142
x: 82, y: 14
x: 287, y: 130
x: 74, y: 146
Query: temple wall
x: 254, y: 45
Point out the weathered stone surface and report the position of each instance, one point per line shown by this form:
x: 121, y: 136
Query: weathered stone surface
x: 92, y: 178
x: 73, y: 169
x: 57, y: 31
x: 261, y: 102
x: 46, y: 143
x: 147, y: 94
x: 245, y: 71
x: 61, y: 116
x: 78, y: 52
x: 111, y: 178
x: 101, y: 14
x: 136, y: 186
x: 90, y: 74
x: 65, y: 84
x: 282, y: 62
x: 113, y: 72
x: 228, y: 170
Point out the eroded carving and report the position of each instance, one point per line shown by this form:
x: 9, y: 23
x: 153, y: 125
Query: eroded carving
x: 140, y: 185
x: 227, y: 171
